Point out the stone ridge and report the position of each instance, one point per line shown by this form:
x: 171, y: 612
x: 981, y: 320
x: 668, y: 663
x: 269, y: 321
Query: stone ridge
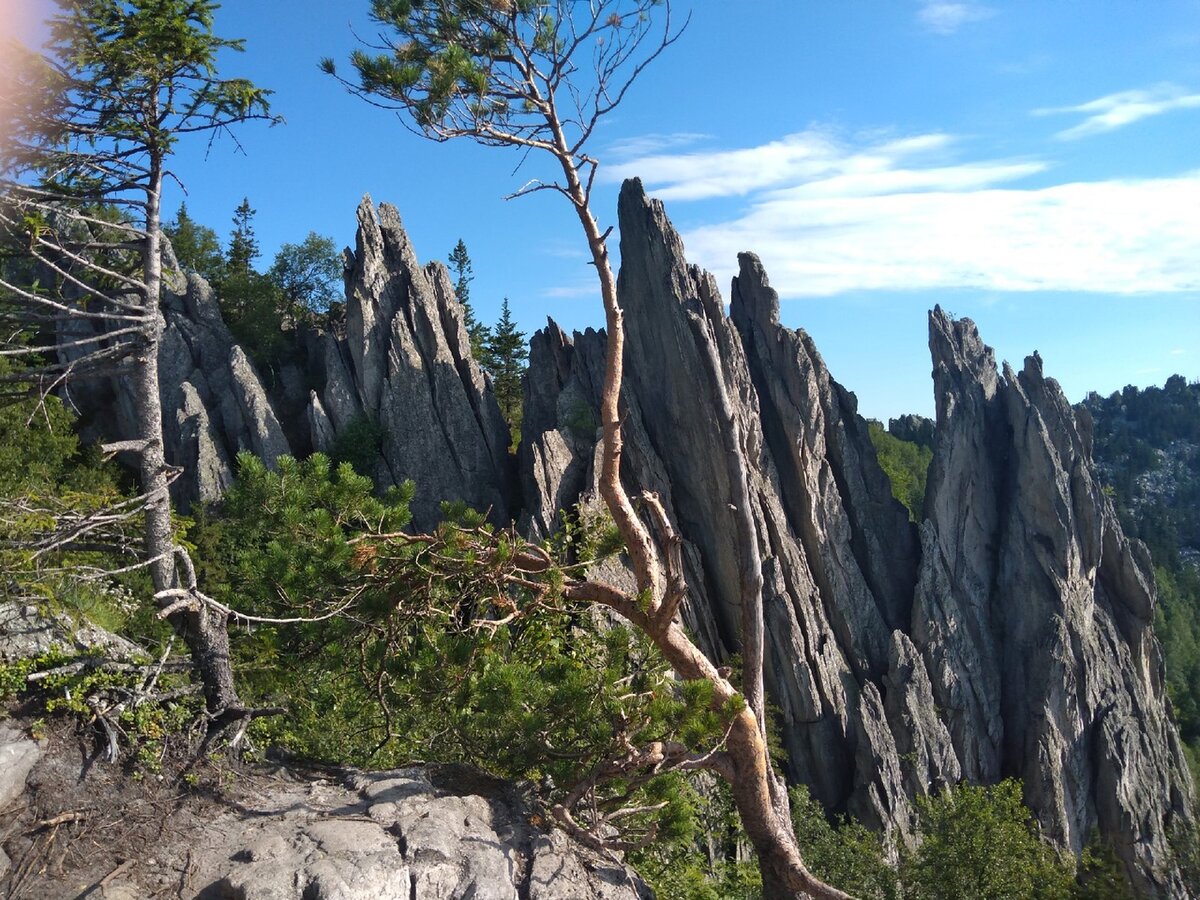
x: 1045, y: 650
x: 214, y: 402
x: 405, y: 365
x: 1008, y: 636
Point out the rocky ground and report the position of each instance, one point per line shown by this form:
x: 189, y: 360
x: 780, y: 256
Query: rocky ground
x: 72, y: 826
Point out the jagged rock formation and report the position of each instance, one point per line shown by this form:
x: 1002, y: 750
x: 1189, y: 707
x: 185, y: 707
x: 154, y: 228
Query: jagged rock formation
x: 405, y: 364
x: 214, y: 403
x: 1011, y: 638
x: 1033, y: 612
x: 398, y: 834
x: 913, y: 428
x: 429, y: 833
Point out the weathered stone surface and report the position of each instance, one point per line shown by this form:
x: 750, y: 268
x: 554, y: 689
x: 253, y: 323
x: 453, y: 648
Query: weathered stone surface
x: 836, y: 580
x: 396, y: 834
x: 214, y: 403
x: 320, y: 428
x: 18, y: 755
x: 1034, y: 613
x: 407, y: 367
x: 28, y: 631
x: 1012, y: 637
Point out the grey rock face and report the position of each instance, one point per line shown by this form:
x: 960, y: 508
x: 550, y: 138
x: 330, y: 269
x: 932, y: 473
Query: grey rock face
x: 839, y: 555
x: 1034, y: 614
x: 27, y: 631
x: 394, y: 834
x: 18, y: 755
x: 1009, y: 636
x: 214, y: 403
x: 406, y: 365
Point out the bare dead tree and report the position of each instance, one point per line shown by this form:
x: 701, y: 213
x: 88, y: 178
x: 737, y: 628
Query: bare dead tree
x: 539, y: 76
x: 92, y: 126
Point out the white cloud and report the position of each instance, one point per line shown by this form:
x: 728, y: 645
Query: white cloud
x: 1117, y: 110
x: 945, y: 18
x: 827, y: 218
x: 570, y: 291
x: 647, y: 144
x: 811, y: 159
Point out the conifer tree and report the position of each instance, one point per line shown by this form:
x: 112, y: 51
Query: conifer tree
x: 196, y: 246
x: 243, y: 245
x: 504, y: 358
x: 82, y: 170
x: 460, y: 265
x: 539, y: 76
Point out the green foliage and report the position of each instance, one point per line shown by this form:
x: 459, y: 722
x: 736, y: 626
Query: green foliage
x: 504, y: 358
x: 144, y: 710
x: 196, y: 246
x: 1147, y: 446
x: 243, y: 244
x: 308, y: 276
x: 906, y: 465
x: 848, y: 855
x: 134, y: 74
x: 46, y: 478
x: 545, y: 697
x: 359, y: 444
x: 460, y: 265
x: 980, y: 842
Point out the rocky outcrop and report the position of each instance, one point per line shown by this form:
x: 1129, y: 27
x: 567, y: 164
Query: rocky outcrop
x: 1008, y: 636
x: 424, y: 832
x: 405, y: 367
x: 214, y: 402
x: 839, y: 556
x: 1034, y: 613
x: 398, y: 834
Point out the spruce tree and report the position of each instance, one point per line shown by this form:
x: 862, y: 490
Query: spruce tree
x: 505, y: 357
x: 197, y: 248
x: 460, y: 265
x: 81, y: 172
x: 243, y: 245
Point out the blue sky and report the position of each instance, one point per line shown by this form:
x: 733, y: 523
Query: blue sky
x: 1031, y: 165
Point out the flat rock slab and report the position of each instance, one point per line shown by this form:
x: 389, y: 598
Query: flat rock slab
x: 18, y: 755
x: 396, y: 834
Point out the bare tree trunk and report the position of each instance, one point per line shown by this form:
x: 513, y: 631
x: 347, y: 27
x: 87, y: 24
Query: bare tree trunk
x: 203, y: 629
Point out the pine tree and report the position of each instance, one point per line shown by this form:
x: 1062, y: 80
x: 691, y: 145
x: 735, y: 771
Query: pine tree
x: 243, y: 245
x: 480, y: 334
x: 504, y: 358
x: 197, y: 248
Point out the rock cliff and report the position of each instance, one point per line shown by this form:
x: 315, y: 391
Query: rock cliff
x: 1033, y: 612
x: 214, y: 402
x: 405, y: 364
x: 1008, y: 636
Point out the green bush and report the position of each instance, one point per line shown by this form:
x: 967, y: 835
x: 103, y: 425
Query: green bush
x: 906, y: 465
x: 980, y: 842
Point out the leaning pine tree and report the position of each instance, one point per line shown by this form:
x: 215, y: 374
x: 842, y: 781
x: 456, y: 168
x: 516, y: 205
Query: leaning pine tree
x: 539, y: 76
x: 93, y: 124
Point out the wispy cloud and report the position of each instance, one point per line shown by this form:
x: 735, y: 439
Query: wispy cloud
x: 829, y: 217
x: 1117, y: 110
x: 570, y: 291
x: 945, y: 17
x: 813, y: 162
x: 647, y: 144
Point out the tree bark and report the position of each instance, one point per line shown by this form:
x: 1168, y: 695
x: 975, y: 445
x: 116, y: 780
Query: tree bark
x: 204, y: 630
